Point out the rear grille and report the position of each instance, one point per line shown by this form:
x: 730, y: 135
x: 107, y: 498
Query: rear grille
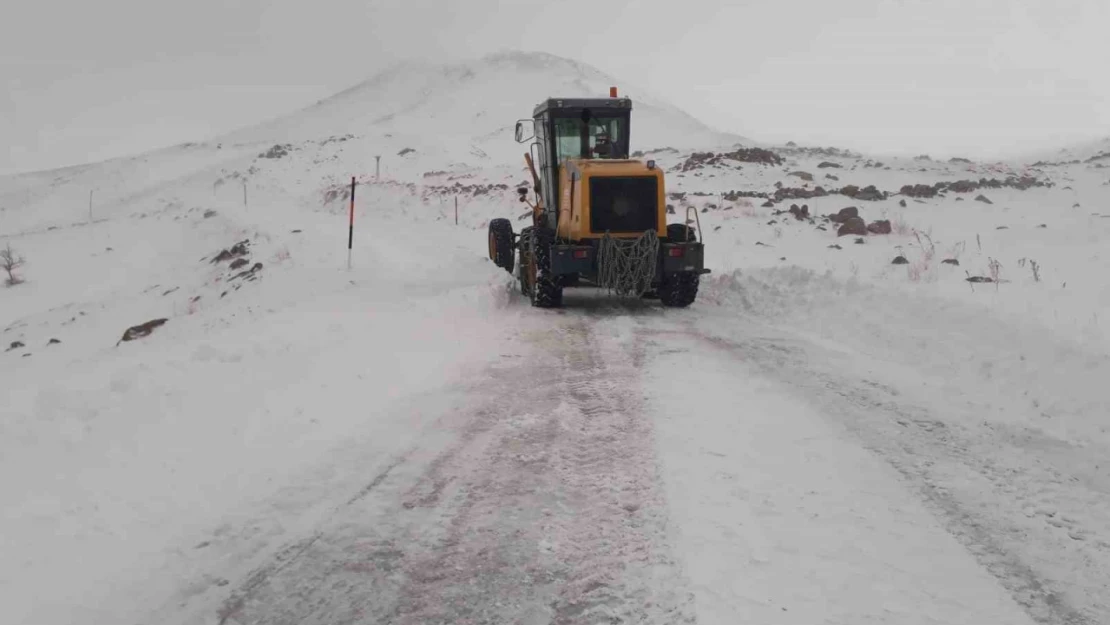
x: 623, y: 204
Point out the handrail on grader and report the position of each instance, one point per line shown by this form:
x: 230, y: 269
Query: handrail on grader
x: 696, y: 220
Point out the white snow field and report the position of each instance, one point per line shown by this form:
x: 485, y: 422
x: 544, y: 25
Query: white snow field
x: 822, y: 437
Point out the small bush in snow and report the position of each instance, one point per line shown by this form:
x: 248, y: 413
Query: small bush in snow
x: 927, y: 248
x: 916, y: 270
x: 1036, y: 268
x: 956, y: 250
x: 900, y: 227
x: 995, y: 269
x: 10, y: 260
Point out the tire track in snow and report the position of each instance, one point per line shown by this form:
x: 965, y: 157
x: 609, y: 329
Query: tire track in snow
x: 326, y: 577
x: 915, y: 452
x: 584, y: 476
x: 546, y: 508
x: 611, y: 459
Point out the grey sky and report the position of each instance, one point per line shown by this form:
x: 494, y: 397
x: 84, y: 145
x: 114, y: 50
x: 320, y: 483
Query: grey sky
x: 86, y: 81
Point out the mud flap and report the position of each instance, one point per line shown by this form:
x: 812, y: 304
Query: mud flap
x: 682, y: 258
x: 572, y: 259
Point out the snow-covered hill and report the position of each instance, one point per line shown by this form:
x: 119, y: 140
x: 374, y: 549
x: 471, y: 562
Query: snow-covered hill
x: 466, y: 112
x: 824, y: 435
x: 1087, y: 152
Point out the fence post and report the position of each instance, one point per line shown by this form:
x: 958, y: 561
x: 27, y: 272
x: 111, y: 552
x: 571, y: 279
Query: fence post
x: 351, y: 224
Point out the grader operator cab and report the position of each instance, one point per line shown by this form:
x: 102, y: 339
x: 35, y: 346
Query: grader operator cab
x: 599, y: 218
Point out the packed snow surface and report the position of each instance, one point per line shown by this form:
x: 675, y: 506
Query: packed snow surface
x: 824, y: 436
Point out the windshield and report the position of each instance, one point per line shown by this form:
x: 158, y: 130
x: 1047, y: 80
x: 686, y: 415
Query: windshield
x: 602, y: 137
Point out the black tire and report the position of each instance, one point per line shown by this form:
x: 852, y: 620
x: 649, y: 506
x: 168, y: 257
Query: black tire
x: 679, y: 290
x: 524, y: 243
x: 677, y: 233
x: 501, y: 243
x: 544, y: 289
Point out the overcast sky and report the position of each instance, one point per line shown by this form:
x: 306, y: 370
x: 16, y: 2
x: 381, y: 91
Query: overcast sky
x: 85, y: 81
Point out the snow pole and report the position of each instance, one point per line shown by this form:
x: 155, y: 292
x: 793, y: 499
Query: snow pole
x: 456, y: 210
x: 351, y: 224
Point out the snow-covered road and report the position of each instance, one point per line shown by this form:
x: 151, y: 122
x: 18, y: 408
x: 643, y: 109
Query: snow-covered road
x: 535, y: 496
x: 622, y: 463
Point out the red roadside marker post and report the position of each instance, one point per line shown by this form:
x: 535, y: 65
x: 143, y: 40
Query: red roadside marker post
x: 351, y: 224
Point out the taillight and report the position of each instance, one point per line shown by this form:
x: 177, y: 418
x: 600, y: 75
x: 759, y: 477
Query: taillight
x: 675, y: 252
x: 581, y: 253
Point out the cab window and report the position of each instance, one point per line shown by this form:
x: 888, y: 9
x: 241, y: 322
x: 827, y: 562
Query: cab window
x: 568, y: 139
x: 568, y: 136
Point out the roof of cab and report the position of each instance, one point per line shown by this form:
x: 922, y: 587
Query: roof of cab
x: 550, y: 104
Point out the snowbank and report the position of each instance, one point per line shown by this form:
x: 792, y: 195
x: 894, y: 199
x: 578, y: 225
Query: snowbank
x: 1041, y: 380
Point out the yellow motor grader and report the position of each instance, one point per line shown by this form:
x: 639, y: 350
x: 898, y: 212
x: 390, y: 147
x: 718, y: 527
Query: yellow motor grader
x: 599, y: 218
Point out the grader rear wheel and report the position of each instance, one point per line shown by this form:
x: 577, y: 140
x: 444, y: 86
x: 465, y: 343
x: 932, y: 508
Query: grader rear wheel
x: 681, y: 233
x: 536, y: 280
x: 523, y: 270
x: 679, y: 290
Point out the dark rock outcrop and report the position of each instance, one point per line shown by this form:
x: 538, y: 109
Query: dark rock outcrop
x: 881, y: 226
x: 853, y: 226
x: 844, y: 214
x: 141, y: 330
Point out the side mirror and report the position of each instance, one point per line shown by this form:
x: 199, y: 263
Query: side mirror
x: 523, y: 191
x: 520, y: 130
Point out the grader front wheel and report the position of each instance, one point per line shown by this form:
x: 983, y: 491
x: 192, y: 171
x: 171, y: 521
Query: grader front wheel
x: 501, y: 243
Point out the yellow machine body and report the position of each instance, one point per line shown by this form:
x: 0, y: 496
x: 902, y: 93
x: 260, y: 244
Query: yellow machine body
x: 574, y: 195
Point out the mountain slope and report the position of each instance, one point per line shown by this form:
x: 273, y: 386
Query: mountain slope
x: 1084, y: 152
x: 463, y: 107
